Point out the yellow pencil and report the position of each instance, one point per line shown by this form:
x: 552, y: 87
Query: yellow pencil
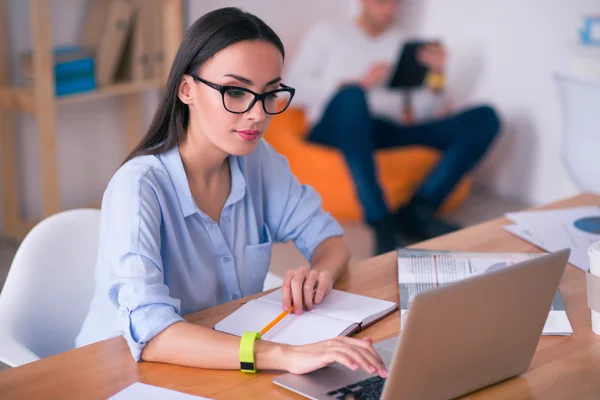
x: 281, y: 316
x: 276, y: 320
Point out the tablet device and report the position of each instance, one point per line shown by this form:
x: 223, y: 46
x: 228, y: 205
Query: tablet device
x: 409, y: 72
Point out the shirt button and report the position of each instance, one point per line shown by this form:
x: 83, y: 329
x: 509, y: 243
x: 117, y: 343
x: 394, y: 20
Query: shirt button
x: 235, y: 297
x: 226, y: 219
x: 226, y: 259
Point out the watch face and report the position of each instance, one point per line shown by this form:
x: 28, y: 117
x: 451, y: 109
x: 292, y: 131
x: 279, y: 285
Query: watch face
x: 248, y: 366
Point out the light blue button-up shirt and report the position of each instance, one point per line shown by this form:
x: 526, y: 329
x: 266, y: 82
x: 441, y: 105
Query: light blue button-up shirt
x: 161, y: 257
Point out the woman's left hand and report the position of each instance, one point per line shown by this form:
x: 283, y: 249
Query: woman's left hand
x: 304, y: 287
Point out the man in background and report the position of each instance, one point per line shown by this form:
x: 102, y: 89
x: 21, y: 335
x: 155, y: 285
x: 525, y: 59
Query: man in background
x: 341, y: 72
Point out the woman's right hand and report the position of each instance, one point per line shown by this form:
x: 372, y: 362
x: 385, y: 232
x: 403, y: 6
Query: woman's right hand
x: 350, y: 352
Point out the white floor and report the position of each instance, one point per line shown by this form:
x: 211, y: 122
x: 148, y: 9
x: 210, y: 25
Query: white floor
x: 478, y: 208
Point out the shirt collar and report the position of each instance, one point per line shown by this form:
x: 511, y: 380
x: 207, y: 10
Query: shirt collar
x: 238, y: 182
x: 171, y: 159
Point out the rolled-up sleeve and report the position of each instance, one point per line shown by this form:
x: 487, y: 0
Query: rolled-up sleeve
x: 293, y: 210
x: 132, y: 256
x: 144, y: 305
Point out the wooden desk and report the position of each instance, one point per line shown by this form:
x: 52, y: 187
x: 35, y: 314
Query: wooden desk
x: 563, y: 367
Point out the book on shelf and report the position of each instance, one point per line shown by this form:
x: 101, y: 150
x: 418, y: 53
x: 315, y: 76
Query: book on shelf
x: 157, y: 50
x: 68, y: 60
x: 75, y: 84
x: 143, y: 55
x: 113, y: 39
x: 73, y: 69
x: 119, y: 41
x: 93, y: 24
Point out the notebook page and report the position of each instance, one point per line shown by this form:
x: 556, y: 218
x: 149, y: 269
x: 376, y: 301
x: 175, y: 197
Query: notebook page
x: 293, y: 329
x: 307, y: 328
x: 252, y: 316
x: 343, y: 305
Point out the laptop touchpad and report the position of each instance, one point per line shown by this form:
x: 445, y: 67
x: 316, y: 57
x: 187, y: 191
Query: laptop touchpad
x: 387, y: 356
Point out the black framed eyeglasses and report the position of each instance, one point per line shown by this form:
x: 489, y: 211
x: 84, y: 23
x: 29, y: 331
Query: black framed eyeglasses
x: 239, y: 100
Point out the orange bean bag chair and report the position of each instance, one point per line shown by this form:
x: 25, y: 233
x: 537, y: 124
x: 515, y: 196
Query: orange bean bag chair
x: 401, y: 170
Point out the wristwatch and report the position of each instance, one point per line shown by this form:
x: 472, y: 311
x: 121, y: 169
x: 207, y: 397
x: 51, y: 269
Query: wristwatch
x: 247, y: 363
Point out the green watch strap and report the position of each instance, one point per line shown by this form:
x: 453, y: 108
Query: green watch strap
x: 247, y: 363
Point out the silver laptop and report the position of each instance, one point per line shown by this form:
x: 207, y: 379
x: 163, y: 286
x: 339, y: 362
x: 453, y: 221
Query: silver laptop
x: 458, y: 338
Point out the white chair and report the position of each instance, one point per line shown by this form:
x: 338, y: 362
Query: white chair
x: 49, y: 287
x: 580, y: 99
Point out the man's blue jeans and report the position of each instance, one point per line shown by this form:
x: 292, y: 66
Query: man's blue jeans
x: 348, y: 125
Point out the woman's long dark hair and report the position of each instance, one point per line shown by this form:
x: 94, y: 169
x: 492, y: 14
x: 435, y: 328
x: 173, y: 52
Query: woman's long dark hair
x: 210, y: 34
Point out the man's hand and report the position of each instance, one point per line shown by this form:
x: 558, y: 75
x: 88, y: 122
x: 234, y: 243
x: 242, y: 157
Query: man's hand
x: 376, y: 75
x: 446, y: 109
x: 433, y: 56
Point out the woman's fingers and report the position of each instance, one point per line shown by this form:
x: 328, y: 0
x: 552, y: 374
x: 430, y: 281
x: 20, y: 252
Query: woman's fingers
x: 309, y: 287
x: 286, y: 291
x: 342, y: 358
x: 303, y: 288
x: 297, y: 285
x: 323, y: 286
x: 361, y: 357
x: 367, y: 346
x: 350, y: 352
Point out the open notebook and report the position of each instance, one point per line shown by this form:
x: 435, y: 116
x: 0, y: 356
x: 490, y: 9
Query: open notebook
x: 339, y: 314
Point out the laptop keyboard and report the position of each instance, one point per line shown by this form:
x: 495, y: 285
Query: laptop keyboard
x: 369, y: 389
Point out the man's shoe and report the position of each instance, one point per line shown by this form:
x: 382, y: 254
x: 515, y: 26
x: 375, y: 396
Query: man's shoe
x: 387, y: 236
x: 418, y: 220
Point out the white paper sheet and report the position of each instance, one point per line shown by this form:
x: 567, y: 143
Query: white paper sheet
x: 554, y: 230
x: 148, y: 392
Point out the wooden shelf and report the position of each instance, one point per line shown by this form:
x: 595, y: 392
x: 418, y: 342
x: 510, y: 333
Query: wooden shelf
x: 39, y: 100
x: 16, y: 99
x: 21, y: 98
x: 116, y: 89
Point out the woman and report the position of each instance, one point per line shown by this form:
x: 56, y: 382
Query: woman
x: 189, y: 220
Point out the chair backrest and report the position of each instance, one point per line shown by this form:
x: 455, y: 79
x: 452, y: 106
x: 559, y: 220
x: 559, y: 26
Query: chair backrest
x: 51, y: 281
x: 580, y: 101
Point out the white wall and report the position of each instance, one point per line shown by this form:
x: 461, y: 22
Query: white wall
x: 506, y: 52
x: 289, y: 19
x: 501, y: 52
